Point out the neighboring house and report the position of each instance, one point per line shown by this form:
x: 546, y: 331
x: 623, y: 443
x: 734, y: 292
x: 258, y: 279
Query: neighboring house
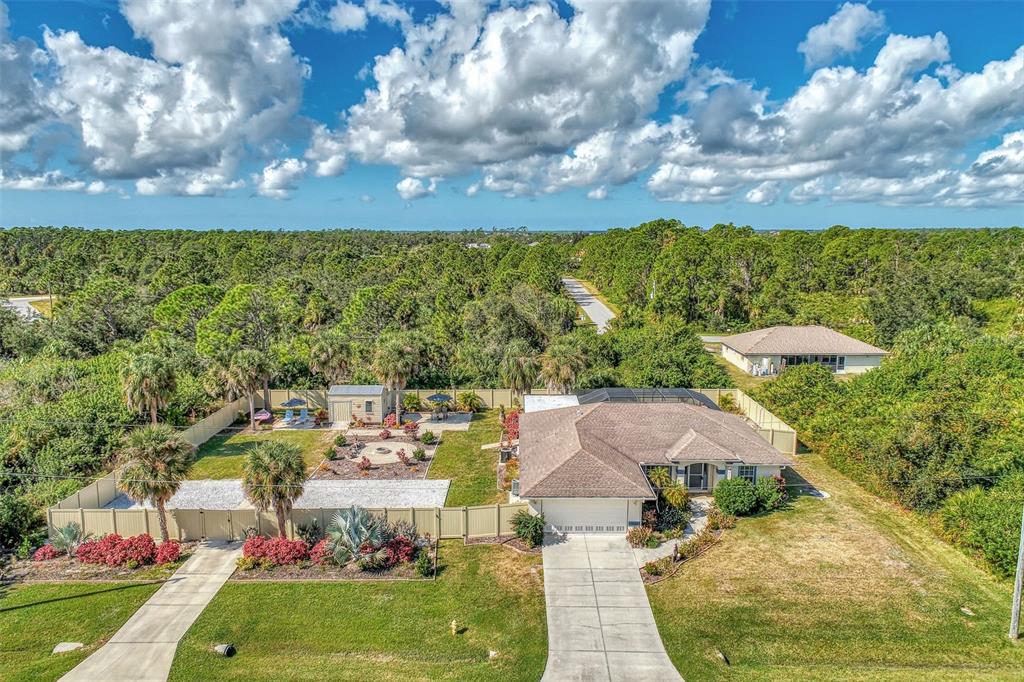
x: 584, y: 467
x: 769, y: 351
x: 369, y: 403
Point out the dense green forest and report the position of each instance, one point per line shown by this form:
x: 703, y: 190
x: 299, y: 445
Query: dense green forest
x: 206, y: 316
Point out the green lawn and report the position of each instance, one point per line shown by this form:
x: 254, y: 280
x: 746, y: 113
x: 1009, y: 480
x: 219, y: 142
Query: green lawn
x: 743, y: 380
x: 844, y: 588
x: 379, y: 630
x: 34, y: 618
x: 473, y: 472
x: 222, y: 456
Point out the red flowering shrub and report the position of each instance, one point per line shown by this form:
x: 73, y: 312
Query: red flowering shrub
x: 168, y: 552
x: 113, y: 550
x: 321, y: 553
x: 511, y: 424
x: 410, y: 428
x: 385, y: 434
x: 364, y: 464
x: 400, y: 549
x: 403, y: 457
x: 45, y: 553
x: 277, y: 551
x: 390, y: 421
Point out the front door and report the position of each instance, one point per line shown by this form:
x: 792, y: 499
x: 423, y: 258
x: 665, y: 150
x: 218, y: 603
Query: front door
x: 341, y: 411
x: 697, y: 476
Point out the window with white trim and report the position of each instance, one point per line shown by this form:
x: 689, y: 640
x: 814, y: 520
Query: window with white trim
x: 368, y: 406
x: 747, y: 472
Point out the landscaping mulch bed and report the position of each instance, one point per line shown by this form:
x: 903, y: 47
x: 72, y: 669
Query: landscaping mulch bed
x: 345, y: 466
x: 309, y: 571
x: 510, y: 541
x: 65, y: 569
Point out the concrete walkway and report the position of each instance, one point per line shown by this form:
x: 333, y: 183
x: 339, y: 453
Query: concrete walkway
x: 598, y: 312
x: 143, y: 649
x: 600, y: 624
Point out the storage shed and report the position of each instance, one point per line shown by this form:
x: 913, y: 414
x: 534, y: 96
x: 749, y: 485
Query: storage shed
x: 368, y: 402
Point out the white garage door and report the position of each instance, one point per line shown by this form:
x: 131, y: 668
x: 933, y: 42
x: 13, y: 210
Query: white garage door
x: 585, y: 515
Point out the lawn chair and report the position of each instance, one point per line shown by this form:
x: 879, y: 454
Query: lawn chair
x: 303, y: 415
x: 289, y: 416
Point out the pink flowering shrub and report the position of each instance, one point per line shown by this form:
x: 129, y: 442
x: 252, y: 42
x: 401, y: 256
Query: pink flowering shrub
x: 168, y: 552
x: 113, y: 550
x: 403, y: 457
x: 364, y: 464
x: 321, y: 553
x: 410, y: 428
x: 390, y: 421
x: 45, y: 553
x: 276, y: 551
x: 511, y: 424
x: 401, y: 550
x: 385, y: 434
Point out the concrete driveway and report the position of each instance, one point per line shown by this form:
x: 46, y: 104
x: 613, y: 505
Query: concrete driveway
x: 598, y: 312
x: 143, y: 649
x: 600, y: 624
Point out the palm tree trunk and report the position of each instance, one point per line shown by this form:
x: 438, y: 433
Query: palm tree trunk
x: 252, y: 412
x: 266, y: 392
x: 162, y: 513
x: 282, y: 526
x: 152, y: 412
x: 398, y: 406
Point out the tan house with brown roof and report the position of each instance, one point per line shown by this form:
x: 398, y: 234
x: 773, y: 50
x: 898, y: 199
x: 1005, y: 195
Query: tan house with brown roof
x: 584, y: 467
x: 769, y: 351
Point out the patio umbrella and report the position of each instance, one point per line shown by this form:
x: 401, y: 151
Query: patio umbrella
x: 439, y: 398
x: 294, y: 402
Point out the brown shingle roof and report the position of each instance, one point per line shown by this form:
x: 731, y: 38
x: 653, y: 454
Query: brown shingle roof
x: 596, y: 450
x: 786, y: 340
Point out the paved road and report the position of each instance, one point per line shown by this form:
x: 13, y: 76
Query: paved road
x: 600, y: 624
x: 143, y: 649
x: 23, y: 305
x: 595, y: 310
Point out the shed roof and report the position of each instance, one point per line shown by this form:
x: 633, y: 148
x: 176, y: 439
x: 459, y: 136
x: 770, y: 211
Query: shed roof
x: 356, y: 389
x: 597, y: 450
x: 790, y: 340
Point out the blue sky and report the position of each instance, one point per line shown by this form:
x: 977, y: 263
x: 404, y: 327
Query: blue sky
x: 572, y: 116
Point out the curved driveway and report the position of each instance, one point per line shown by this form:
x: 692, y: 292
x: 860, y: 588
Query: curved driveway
x: 600, y: 624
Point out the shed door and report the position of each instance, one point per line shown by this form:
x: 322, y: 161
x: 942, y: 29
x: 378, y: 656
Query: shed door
x: 341, y: 411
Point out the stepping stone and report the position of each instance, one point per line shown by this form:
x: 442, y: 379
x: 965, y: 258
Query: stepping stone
x: 64, y: 647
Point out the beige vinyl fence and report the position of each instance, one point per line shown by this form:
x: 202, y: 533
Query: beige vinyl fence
x: 315, y: 398
x: 207, y: 428
x: 777, y: 432
x: 197, y: 524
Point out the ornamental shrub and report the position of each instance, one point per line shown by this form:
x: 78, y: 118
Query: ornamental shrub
x: 168, y: 552
x: 390, y: 421
x: 511, y: 424
x: 529, y: 527
x: 410, y: 428
x: 638, y: 536
x: 321, y: 553
x: 403, y: 457
x: 410, y: 402
x: 340, y: 440
x: 424, y: 565
x: 385, y: 434
x: 717, y: 520
x: 419, y: 454
x: 277, y: 551
x: 113, y: 550
x: 45, y: 553
x: 770, y: 492
x: 735, y: 496
x: 400, y: 550
x: 659, y: 566
x: 364, y: 464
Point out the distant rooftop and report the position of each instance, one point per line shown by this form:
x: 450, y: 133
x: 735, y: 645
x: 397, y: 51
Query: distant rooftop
x: 791, y: 340
x: 620, y: 394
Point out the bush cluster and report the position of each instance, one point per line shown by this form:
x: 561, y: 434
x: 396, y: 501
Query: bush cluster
x: 134, y: 551
x: 275, y: 551
x: 639, y: 536
x: 45, y: 553
x: 528, y: 527
x: 168, y: 552
x: 735, y: 496
x: 428, y: 438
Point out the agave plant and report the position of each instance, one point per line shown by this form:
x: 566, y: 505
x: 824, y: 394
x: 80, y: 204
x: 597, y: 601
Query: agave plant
x: 66, y: 539
x: 351, y: 530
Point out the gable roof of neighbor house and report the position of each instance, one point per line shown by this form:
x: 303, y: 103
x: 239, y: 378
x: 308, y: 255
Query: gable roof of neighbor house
x: 356, y: 389
x: 790, y: 340
x: 596, y: 450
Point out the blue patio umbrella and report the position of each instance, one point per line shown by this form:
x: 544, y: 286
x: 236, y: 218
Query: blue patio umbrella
x: 294, y: 402
x: 439, y: 398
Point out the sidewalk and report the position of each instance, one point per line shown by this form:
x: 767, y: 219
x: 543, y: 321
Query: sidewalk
x: 143, y: 649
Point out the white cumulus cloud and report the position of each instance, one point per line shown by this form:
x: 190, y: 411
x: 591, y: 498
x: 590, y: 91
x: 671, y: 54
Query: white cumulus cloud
x: 843, y: 33
x: 278, y: 178
x: 413, y: 188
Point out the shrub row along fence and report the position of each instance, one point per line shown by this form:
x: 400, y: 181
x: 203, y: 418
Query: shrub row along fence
x: 230, y: 524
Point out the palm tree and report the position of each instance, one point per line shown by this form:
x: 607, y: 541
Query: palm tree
x: 519, y: 367
x: 272, y: 477
x: 148, y: 382
x: 151, y: 464
x: 244, y: 376
x: 330, y: 356
x: 561, y: 365
x: 394, y: 361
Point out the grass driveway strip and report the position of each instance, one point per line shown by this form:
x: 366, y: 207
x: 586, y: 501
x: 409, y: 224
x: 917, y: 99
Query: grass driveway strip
x: 379, y: 630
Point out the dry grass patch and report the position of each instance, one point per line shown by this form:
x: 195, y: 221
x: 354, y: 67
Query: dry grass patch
x: 841, y: 588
